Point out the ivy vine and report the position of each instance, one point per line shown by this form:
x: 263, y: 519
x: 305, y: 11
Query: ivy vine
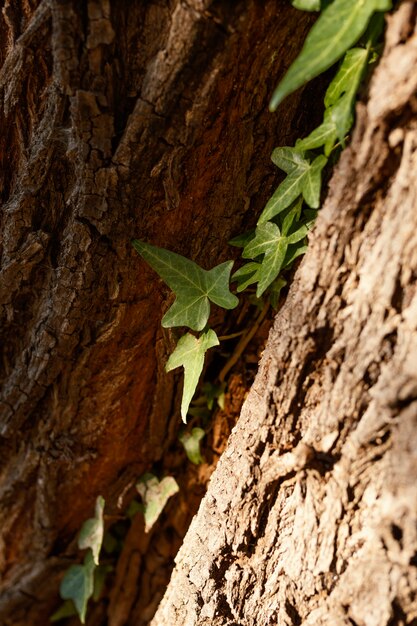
x: 280, y: 236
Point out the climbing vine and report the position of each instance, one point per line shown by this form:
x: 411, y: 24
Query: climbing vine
x: 346, y: 30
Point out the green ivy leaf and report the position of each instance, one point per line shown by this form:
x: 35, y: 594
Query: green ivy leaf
x: 91, y: 533
x: 191, y: 442
x: 67, y: 609
x: 339, y: 26
x: 155, y: 494
x: 269, y: 242
x: 304, y: 177
x: 240, y: 241
x: 307, y: 5
x: 339, y: 100
x: 246, y: 275
x: 193, y: 286
x: 190, y: 353
x: 274, y: 245
x: 78, y: 584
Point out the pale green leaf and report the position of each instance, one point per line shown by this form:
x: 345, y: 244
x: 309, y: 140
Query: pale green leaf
x: 298, y: 235
x: 339, y: 100
x: 78, y: 584
x: 67, y: 609
x: 269, y: 242
x: 191, y: 442
x: 348, y: 77
x: 91, y: 533
x: 272, y: 265
x: 189, y: 353
x: 304, y: 177
x: 246, y: 275
x: 240, y: 241
x: 293, y: 215
x: 193, y: 286
x: 339, y: 26
x: 293, y: 253
x: 307, y: 5
x: 266, y: 237
x: 155, y: 494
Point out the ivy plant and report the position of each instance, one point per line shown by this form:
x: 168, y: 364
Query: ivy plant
x: 345, y: 31
x: 80, y: 581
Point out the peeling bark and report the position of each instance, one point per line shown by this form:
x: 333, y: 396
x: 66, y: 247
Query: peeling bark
x: 117, y: 119
x: 311, y: 514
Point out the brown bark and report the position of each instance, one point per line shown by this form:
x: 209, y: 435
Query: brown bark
x: 311, y: 514
x: 117, y: 119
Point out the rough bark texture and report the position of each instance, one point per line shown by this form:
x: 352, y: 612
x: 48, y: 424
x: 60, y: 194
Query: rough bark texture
x: 117, y: 119
x: 311, y: 514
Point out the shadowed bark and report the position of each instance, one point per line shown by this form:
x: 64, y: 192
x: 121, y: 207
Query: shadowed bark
x: 118, y: 119
x: 311, y: 515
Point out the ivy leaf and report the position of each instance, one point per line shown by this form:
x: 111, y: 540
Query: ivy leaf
x: 339, y: 26
x: 193, y: 286
x: 246, y: 275
x: 155, y: 494
x: 91, y: 533
x: 78, y: 584
x: 189, y: 353
x: 273, y: 244
x: 191, y: 442
x: 67, y: 609
x: 307, y: 5
x: 240, y: 241
x: 339, y: 100
x: 268, y: 241
x: 303, y: 178
x: 293, y: 253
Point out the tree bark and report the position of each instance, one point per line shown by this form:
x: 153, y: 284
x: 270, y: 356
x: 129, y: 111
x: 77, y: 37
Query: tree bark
x: 118, y: 119
x: 311, y: 514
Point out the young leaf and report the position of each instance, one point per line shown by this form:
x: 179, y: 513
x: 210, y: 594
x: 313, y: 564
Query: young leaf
x: 155, y: 495
x: 303, y: 178
x: 240, y: 241
x: 78, y: 584
x: 274, y: 245
x: 189, y: 353
x: 191, y: 442
x: 339, y: 100
x: 268, y: 241
x: 266, y: 237
x: 67, y: 609
x: 293, y: 253
x: 91, y: 533
x: 246, y: 275
x: 307, y: 5
x: 193, y: 286
x: 339, y: 26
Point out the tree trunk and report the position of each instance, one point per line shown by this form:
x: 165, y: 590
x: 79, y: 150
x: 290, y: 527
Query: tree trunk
x: 311, y: 515
x: 118, y: 119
